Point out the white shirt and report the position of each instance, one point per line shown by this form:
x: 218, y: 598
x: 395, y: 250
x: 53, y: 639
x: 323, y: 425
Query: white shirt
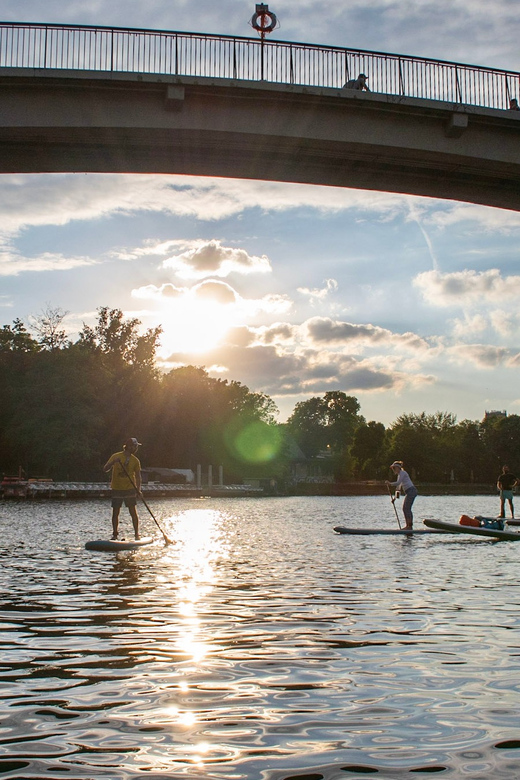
x: 403, y: 481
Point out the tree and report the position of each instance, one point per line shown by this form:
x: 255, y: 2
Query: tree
x: 327, y: 425
x: 319, y: 424
x: 501, y: 437
x: 368, y: 450
x: 203, y: 421
x: 425, y: 443
x: 48, y: 328
x: 17, y: 338
x: 469, y: 459
x: 119, y: 340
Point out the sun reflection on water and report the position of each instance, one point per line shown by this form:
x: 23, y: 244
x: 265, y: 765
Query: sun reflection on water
x: 201, y: 544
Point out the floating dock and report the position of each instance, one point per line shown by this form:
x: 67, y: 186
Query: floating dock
x: 102, y: 490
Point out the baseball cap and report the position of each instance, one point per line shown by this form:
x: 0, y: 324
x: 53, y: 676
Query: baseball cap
x: 132, y: 443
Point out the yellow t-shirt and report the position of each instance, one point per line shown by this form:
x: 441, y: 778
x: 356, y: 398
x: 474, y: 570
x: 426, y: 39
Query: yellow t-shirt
x: 119, y: 479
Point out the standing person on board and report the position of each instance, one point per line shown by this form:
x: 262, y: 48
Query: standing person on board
x: 125, y: 483
x: 505, y: 483
x: 404, y: 484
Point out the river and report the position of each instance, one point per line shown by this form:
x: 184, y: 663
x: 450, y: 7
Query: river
x: 259, y: 645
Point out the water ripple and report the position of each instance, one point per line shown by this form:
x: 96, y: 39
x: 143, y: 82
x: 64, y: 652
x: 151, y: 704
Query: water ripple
x: 259, y: 645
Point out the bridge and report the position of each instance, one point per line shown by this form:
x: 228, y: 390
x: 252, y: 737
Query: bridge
x: 98, y: 99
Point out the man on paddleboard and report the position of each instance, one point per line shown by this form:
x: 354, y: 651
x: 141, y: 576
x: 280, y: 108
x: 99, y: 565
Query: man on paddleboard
x: 404, y: 485
x: 505, y: 483
x: 125, y: 483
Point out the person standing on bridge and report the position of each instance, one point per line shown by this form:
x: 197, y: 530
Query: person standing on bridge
x: 125, y: 483
x: 360, y: 83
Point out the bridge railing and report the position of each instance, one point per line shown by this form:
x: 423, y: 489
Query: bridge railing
x: 106, y: 49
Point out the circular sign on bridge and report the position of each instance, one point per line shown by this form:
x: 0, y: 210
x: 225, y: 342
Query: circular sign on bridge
x: 263, y: 20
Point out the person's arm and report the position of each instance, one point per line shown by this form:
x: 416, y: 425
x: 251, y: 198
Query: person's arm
x: 110, y: 462
x: 138, y: 478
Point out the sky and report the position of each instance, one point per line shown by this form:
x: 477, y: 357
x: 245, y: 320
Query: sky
x: 407, y: 303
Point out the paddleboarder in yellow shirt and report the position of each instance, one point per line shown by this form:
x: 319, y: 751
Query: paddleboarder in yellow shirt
x: 125, y: 483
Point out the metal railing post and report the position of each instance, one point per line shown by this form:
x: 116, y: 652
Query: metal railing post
x: 459, y: 91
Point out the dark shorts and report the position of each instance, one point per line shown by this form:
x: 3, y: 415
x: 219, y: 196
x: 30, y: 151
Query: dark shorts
x: 128, y: 496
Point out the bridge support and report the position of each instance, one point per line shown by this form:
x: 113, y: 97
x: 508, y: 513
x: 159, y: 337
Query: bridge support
x: 61, y: 121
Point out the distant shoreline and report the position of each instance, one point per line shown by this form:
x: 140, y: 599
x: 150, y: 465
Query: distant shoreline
x: 377, y: 489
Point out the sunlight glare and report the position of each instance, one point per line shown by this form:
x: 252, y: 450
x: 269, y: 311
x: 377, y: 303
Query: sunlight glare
x: 194, y: 325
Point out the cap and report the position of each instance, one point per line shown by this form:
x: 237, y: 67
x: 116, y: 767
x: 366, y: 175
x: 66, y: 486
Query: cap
x: 132, y: 443
x: 396, y: 463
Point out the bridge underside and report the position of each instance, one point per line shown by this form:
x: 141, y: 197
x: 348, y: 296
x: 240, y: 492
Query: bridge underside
x: 113, y: 123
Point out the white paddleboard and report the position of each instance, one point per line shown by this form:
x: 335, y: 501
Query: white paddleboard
x: 116, y: 545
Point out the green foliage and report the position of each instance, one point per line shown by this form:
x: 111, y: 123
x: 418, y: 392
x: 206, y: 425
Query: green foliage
x: 327, y: 426
x: 16, y: 338
x: 368, y: 451
x: 48, y: 328
x: 67, y: 406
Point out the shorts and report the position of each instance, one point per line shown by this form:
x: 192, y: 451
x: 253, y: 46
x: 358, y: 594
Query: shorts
x: 128, y: 496
x: 506, y: 494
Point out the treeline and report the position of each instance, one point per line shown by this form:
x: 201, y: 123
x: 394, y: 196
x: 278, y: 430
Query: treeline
x: 65, y: 406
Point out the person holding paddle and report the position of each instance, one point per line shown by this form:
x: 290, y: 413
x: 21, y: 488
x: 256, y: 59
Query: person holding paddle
x: 125, y: 483
x: 404, y: 484
x: 505, y: 483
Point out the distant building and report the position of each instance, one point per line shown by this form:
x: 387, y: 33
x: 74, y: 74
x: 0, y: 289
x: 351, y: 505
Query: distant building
x: 494, y: 414
x: 168, y: 476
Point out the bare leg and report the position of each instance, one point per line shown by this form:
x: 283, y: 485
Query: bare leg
x: 115, y: 521
x: 511, y: 507
x: 135, y: 520
x: 502, y: 507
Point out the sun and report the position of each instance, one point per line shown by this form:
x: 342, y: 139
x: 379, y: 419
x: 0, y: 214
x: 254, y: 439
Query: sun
x: 194, y: 325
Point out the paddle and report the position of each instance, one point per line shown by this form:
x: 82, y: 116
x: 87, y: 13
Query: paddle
x: 392, y: 499
x: 167, y: 540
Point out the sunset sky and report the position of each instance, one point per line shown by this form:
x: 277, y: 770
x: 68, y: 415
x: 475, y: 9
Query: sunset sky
x: 410, y: 304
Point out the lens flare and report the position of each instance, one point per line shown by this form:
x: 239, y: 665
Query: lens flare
x: 255, y: 442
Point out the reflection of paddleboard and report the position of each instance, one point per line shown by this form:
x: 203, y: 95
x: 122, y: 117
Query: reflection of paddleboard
x: 490, y: 533
x: 115, y: 545
x: 340, y: 529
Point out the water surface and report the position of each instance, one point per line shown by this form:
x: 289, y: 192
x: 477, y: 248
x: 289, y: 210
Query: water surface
x: 260, y: 645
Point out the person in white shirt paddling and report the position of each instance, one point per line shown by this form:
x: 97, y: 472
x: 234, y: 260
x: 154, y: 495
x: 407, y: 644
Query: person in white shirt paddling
x: 404, y: 485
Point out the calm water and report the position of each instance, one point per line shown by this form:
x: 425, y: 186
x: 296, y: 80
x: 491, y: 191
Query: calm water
x: 261, y: 645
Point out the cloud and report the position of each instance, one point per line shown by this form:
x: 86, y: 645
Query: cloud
x: 277, y: 333
x: 58, y: 199
x: 30, y: 201
x: 212, y: 290
x: 470, y: 325
x: 461, y: 288
x: 213, y: 259
x: 482, y: 355
x: 325, y: 330
x: 319, y: 294
x: 505, y: 323
x: 13, y: 264
x: 287, y: 372
x: 165, y: 291
x: 481, y: 218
